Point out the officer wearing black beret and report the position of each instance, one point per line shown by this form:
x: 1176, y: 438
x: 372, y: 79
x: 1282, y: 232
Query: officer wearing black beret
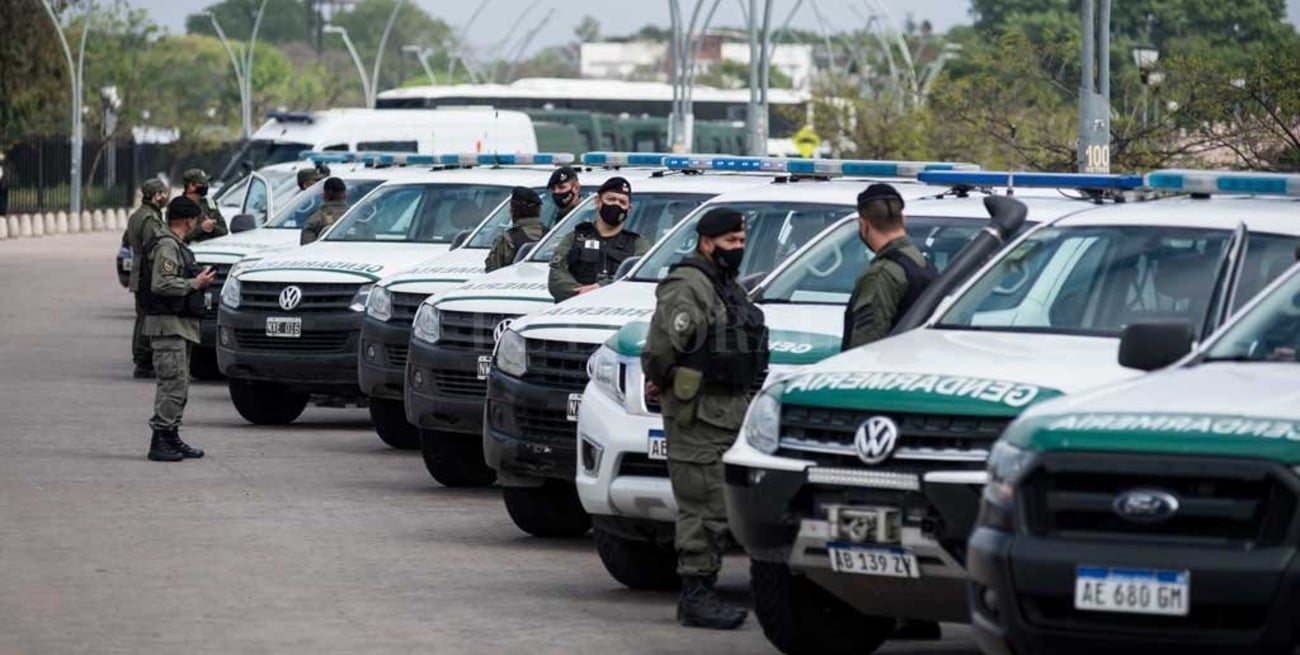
x: 525, y: 227
x: 707, y: 346
x: 565, y: 190
x: 587, y: 258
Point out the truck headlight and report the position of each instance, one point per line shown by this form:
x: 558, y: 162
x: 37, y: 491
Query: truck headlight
x: 605, y: 369
x: 1007, y: 464
x: 360, y: 298
x: 428, y: 324
x: 230, y: 292
x: 512, y: 354
x: 762, y: 428
x: 379, y: 305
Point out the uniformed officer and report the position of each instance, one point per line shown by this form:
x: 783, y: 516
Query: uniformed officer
x: 144, y: 224
x: 894, y: 279
x: 587, y: 258
x: 211, y: 223
x: 335, y: 205
x: 565, y: 190
x: 171, y: 292
x: 526, y: 227
x: 706, y: 346
x: 311, y: 175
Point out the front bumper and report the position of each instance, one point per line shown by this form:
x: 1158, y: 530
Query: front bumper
x: 615, y: 475
x: 528, y: 434
x: 1242, y: 601
x: 381, y: 358
x: 442, y: 390
x: 780, y: 516
x: 322, y: 361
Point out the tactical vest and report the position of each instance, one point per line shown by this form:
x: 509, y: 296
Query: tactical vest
x: 188, y: 306
x: 518, y: 238
x: 735, y: 354
x: 590, y: 265
x: 918, y: 279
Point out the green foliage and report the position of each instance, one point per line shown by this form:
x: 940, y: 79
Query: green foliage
x: 34, y: 88
x: 284, y: 21
x: 365, y: 24
x: 728, y: 74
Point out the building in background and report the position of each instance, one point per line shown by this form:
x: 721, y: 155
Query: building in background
x: 649, y: 60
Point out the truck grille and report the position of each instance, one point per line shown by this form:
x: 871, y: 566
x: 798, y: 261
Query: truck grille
x: 559, y: 364
x: 1232, y: 503
x: 641, y: 465
x: 457, y: 383
x: 222, y: 271
x: 313, y: 342
x: 316, y: 298
x: 396, y: 354
x: 546, y: 426
x: 926, y: 441
x: 404, y: 306
x: 470, y: 331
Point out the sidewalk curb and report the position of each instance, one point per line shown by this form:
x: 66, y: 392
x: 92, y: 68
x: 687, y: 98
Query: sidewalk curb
x: 30, y: 226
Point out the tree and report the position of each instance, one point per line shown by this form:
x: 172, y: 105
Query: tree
x: 284, y: 21
x: 365, y: 24
x: 34, y: 91
x: 588, y: 30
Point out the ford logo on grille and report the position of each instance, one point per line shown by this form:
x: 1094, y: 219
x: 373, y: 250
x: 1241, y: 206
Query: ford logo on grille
x: 876, y: 439
x: 290, y: 297
x: 1146, y: 505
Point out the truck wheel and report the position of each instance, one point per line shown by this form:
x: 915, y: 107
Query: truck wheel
x: 638, y: 564
x: 800, y: 618
x: 455, y: 460
x: 203, y: 364
x: 389, y: 417
x: 551, y: 510
x: 266, y: 403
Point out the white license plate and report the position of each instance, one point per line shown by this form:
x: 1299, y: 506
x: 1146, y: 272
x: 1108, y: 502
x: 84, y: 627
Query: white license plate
x: 571, y: 411
x: 207, y: 300
x: 286, y: 327
x: 484, y: 365
x: 657, y: 448
x: 883, y: 561
x: 1132, y: 591
x: 126, y: 265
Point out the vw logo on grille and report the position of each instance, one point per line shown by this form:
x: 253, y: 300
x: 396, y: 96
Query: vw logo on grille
x: 876, y: 439
x: 290, y: 297
x: 1146, y: 505
x: 501, y: 329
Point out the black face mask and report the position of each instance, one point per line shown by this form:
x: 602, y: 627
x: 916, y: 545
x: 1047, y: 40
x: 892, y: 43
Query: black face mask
x: 729, y: 259
x: 562, y: 199
x: 613, y: 215
x: 201, y: 190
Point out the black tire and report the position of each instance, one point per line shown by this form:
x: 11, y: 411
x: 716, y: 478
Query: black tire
x: 267, y: 403
x: 800, y: 618
x: 203, y: 364
x: 551, y: 510
x: 389, y: 417
x: 638, y: 564
x: 455, y: 460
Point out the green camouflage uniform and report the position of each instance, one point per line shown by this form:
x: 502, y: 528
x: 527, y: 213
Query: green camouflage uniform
x: 171, y: 335
x: 561, y: 282
x: 503, y: 249
x: 700, y: 421
x: 321, y: 219
x: 877, y: 294
x: 210, y: 210
x: 143, y: 225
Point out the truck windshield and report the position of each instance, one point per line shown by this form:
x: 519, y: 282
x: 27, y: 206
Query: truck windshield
x: 291, y: 216
x: 499, y: 222
x: 826, y: 272
x: 653, y: 215
x: 1270, y: 332
x: 421, y: 213
x: 774, y: 230
x: 264, y: 153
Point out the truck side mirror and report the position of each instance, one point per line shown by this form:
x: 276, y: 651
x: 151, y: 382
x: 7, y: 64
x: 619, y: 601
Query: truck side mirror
x: 1151, y: 346
x: 242, y: 223
x: 626, y: 267
x: 524, y: 251
x: 460, y: 239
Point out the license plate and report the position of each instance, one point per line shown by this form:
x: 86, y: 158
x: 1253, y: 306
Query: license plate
x: 1132, y: 591
x: 882, y: 561
x: 126, y: 265
x: 207, y: 300
x: 484, y: 364
x: 286, y: 327
x: 571, y: 411
x: 657, y: 448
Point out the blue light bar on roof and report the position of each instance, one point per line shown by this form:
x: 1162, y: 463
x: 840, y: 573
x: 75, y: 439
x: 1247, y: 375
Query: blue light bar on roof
x: 651, y: 159
x: 290, y: 116
x: 451, y: 159
x: 1032, y: 180
x: 327, y: 157
x: 725, y: 163
x: 1274, y: 184
x: 493, y: 159
x: 819, y: 167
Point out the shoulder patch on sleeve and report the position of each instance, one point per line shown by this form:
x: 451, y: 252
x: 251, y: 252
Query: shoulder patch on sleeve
x: 168, y: 266
x: 682, y: 322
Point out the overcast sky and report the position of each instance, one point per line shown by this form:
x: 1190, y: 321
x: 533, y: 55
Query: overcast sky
x: 622, y: 16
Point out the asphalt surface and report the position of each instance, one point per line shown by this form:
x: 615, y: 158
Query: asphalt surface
x: 311, y: 538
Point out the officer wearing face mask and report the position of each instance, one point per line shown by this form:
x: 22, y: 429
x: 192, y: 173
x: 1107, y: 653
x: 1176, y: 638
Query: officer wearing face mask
x: 896, y: 276
x: 706, y: 348
x: 588, y: 257
x: 565, y: 190
x: 211, y: 224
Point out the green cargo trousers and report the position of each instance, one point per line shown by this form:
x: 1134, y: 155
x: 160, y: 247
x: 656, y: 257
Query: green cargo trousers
x: 141, y: 349
x: 702, y: 533
x: 171, y: 361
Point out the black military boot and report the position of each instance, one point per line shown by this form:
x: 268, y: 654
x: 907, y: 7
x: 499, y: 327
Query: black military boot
x: 188, y: 451
x: 162, y: 450
x: 700, y: 606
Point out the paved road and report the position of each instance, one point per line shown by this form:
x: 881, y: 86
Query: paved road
x: 312, y: 538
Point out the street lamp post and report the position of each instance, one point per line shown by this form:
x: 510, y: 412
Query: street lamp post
x: 422, y: 55
x: 244, y: 113
x: 1094, y: 91
x: 75, y: 74
x: 379, y: 54
x: 1145, y: 58
x: 356, y: 59
x: 248, y: 71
